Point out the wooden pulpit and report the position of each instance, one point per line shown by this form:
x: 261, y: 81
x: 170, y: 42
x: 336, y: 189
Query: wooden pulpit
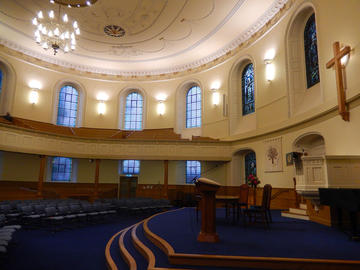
x: 207, y: 188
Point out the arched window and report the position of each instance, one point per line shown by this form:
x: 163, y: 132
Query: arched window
x: 248, y: 95
x: 311, y: 53
x: 67, y: 106
x: 61, y: 169
x: 250, y: 164
x: 193, y: 107
x: 193, y: 170
x: 134, y: 111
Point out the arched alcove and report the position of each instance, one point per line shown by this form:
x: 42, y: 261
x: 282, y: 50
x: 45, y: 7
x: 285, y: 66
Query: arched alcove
x: 310, y: 144
x: 243, y: 163
x: 301, y: 97
x: 122, y: 104
x: 237, y: 121
x: 8, y: 87
x: 81, y: 102
x: 180, y: 110
x: 309, y: 163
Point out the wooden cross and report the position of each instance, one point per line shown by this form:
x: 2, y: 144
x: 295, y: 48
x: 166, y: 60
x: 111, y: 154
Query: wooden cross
x: 336, y: 61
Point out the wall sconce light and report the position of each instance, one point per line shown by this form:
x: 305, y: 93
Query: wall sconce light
x: 215, y: 97
x: 161, y: 107
x: 269, y: 68
x: 101, y: 107
x: 33, y: 96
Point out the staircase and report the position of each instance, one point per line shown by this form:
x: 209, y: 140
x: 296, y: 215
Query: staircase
x: 131, y: 249
x: 297, y: 213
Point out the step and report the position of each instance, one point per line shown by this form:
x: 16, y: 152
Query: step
x: 114, y: 260
x: 296, y: 216
x: 133, y: 258
x: 303, y: 206
x: 298, y: 211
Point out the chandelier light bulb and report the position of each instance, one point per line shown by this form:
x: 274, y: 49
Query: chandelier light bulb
x: 66, y: 49
x: 65, y: 18
x: 69, y: 6
x: 37, y: 33
x: 51, y: 14
x: 38, y: 39
x: 52, y: 1
x: 77, y: 31
x: 62, y: 37
x: 72, y: 35
x: 43, y: 31
x: 75, y: 24
x: 67, y: 35
x: 45, y: 46
x: 40, y: 15
x: 50, y: 33
x: 40, y: 26
x: 88, y: 3
x: 73, y: 47
x: 73, y: 42
x: 57, y: 32
x: 34, y: 21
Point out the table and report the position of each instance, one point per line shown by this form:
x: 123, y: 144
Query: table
x: 228, y: 200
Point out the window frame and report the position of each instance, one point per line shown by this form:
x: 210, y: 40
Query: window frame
x: 307, y: 47
x: 64, y: 86
x: 189, y: 178
x: 134, y: 91
x: 244, y: 89
x: 198, y: 103
x: 71, y: 175
x: 122, y: 167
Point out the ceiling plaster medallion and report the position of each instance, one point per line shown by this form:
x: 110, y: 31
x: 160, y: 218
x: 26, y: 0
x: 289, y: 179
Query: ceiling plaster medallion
x: 114, y: 30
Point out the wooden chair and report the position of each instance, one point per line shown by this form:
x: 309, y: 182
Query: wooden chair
x: 243, y: 200
x: 263, y: 210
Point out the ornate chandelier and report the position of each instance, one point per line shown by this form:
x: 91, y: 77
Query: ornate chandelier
x: 55, y: 31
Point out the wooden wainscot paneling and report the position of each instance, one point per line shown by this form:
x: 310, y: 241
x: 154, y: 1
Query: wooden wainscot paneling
x: 21, y: 190
x: 184, y: 195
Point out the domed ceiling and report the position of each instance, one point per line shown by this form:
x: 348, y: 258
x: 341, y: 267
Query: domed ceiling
x: 140, y: 37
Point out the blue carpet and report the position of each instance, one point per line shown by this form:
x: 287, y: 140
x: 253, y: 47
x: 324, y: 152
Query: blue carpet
x: 81, y: 248
x: 285, y: 238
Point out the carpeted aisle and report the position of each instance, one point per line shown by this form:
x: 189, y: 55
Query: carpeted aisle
x: 79, y: 248
x: 285, y: 238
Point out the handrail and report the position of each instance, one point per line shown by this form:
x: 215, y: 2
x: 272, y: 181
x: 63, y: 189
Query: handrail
x: 278, y: 193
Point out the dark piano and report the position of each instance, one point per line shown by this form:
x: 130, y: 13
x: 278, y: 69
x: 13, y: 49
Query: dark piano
x: 344, y: 206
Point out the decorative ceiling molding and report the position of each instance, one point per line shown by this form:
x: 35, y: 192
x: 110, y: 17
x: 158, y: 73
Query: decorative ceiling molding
x: 264, y: 23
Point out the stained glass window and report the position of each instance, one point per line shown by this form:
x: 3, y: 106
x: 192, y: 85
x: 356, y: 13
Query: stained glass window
x: 68, y: 106
x: 193, y: 107
x: 311, y: 53
x: 250, y: 164
x: 248, y: 95
x: 131, y: 167
x: 193, y: 170
x: 133, y: 111
x: 61, y: 169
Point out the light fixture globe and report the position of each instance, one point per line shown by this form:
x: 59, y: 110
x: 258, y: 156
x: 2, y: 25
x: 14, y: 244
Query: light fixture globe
x: 55, y: 31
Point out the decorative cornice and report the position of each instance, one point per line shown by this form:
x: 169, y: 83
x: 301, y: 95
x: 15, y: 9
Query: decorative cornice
x: 264, y: 23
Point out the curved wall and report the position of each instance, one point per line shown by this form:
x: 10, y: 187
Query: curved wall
x: 272, y: 117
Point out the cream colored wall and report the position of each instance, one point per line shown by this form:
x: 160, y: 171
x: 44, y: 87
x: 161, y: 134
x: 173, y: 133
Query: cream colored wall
x: 19, y: 167
x: 335, y: 21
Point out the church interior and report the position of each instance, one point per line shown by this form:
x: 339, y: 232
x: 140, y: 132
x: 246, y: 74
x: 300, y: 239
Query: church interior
x: 146, y: 120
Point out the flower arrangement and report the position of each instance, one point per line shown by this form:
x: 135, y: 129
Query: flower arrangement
x: 252, y: 180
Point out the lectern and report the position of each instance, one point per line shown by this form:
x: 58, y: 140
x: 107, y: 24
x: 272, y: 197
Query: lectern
x: 208, y: 189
